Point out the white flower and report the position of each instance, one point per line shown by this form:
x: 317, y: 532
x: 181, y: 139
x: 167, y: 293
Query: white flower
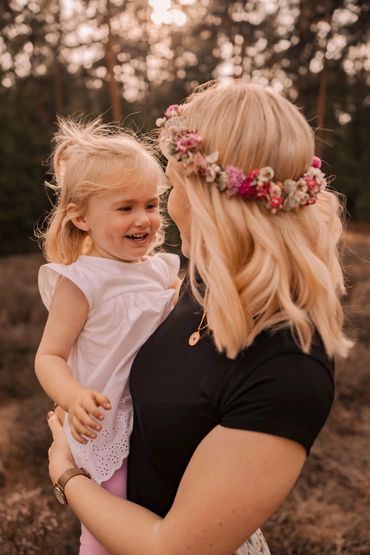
x: 302, y: 197
x: 213, y: 157
x: 266, y: 173
x: 290, y: 202
x: 316, y: 172
x: 211, y: 173
x: 176, y: 122
x: 302, y: 185
x: 222, y: 181
x: 290, y: 186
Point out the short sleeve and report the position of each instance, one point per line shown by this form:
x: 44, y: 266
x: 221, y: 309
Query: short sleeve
x: 49, y: 274
x: 289, y: 395
x: 168, y: 266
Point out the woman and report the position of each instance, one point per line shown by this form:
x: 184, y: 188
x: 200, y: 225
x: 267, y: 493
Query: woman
x: 231, y: 391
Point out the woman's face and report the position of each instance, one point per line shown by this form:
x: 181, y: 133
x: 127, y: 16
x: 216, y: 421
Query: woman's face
x: 178, y: 204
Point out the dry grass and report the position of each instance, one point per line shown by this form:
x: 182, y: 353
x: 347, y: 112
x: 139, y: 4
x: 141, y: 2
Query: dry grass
x: 31, y: 521
x: 326, y: 514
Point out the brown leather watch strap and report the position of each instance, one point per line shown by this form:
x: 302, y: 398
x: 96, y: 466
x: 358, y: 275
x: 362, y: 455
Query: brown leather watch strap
x: 68, y: 474
x: 60, y: 484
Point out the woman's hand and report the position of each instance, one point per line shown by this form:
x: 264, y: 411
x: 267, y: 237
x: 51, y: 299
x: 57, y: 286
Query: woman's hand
x: 60, y: 456
x: 83, y: 413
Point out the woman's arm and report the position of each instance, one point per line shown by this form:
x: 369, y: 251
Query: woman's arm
x: 67, y: 316
x: 235, y: 480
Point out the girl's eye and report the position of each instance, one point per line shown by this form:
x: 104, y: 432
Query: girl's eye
x: 153, y: 205
x: 125, y: 208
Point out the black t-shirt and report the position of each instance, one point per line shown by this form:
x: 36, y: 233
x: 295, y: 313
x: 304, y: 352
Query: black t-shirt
x: 180, y: 393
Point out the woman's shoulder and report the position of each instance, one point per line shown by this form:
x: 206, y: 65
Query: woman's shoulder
x: 274, y: 387
x: 276, y: 362
x: 275, y: 344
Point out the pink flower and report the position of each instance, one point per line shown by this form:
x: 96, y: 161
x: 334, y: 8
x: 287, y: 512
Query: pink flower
x: 187, y: 142
x: 263, y: 190
x: 247, y: 189
x: 316, y: 162
x: 196, y: 163
x: 173, y: 110
x: 254, y: 173
x: 199, y: 160
x: 235, y: 178
x: 276, y: 202
x: 312, y: 185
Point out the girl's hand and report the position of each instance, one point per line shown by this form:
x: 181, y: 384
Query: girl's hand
x: 83, y: 413
x: 60, y: 456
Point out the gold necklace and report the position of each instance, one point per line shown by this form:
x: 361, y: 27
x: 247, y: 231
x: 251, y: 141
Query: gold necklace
x: 195, y: 336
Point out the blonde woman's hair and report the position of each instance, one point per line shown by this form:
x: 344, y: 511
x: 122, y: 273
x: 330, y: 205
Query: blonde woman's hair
x: 262, y: 271
x: 88, y: 159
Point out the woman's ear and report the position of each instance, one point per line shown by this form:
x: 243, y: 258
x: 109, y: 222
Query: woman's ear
x: 79, y: 219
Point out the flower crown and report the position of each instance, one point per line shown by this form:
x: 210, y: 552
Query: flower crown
x: 188, y: 147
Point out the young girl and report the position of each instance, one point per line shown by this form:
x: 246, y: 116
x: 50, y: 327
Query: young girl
x: 105, y: 292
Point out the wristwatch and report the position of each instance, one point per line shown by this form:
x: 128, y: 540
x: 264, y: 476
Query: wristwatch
x: 60, y: 484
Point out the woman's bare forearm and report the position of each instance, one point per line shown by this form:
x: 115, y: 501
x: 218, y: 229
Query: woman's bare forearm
x: 123, y: 527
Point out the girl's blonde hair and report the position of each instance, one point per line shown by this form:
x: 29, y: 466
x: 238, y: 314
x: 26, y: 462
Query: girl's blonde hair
x: 88, y: 159
x: 262, y: 271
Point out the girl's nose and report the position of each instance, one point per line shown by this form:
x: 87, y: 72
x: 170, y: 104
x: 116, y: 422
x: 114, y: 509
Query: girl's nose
x: 142, y: 219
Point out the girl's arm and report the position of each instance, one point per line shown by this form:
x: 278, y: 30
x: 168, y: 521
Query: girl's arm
x: 233, y: 483
x: 67, y: 316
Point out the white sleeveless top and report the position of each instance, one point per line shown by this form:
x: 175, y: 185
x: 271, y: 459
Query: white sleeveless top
x: 127, y: 302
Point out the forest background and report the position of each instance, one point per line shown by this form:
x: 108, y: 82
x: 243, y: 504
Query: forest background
x: 127, y: 60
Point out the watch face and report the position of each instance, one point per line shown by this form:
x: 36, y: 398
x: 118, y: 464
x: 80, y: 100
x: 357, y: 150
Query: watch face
x: 60, y: 495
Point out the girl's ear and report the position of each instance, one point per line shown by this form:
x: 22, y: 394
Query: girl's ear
x: 79, y: 220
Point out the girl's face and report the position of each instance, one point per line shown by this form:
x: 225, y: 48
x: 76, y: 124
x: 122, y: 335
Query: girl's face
x: 122, y: 226
x: 178, y: 204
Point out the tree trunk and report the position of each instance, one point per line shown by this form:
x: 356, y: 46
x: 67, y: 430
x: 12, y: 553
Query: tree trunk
x: 58, y: 87
x: 110, y: 59
x: 321, y: 107
x: 58, y: 69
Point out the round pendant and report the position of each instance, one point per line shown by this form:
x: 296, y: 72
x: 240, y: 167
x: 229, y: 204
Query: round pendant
x: 194, y: 338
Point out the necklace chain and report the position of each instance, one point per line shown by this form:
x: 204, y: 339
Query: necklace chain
x: 195, y: 336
